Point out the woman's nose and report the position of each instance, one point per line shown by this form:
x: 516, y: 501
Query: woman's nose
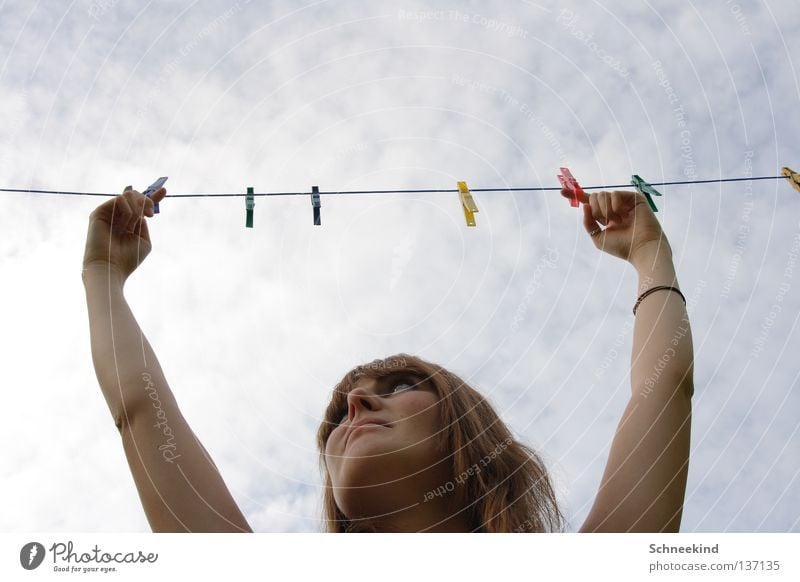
x: 360, y: 398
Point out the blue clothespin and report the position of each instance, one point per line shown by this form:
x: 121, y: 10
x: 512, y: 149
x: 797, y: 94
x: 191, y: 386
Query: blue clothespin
x: 316, y: 204
x: 152, y: 188
x: 249, y: 204
x: 645, y: 189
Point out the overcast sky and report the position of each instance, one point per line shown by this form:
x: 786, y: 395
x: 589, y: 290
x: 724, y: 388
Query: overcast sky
x: 253, y: 327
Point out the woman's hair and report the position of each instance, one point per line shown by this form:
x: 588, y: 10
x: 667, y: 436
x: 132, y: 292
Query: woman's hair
x: 501, y: 483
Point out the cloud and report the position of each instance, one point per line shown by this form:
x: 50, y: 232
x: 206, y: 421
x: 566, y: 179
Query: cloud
x: 254, y: 326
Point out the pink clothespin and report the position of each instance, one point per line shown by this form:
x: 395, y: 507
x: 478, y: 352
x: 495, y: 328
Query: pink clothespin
x: 569, y: 182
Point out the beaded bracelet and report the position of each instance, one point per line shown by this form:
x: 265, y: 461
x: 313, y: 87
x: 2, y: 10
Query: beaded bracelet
x: 646, y: 293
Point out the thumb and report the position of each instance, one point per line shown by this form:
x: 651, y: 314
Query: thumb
x: 159, y: 194
x: 152, y: 200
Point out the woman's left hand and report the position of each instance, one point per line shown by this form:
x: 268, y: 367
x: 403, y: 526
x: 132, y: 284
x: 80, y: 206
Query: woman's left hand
x: 629, y: 221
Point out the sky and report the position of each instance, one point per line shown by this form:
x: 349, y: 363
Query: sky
x: 254, y: 327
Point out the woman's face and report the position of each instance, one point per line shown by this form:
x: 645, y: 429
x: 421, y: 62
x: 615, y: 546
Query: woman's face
x: 378, y: 469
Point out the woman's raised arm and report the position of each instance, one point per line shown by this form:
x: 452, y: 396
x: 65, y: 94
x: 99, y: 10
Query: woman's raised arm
x: 644, y: 483
x: 179, y: 485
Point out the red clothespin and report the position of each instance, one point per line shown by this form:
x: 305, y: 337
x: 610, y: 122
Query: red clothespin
x: 568, y: 181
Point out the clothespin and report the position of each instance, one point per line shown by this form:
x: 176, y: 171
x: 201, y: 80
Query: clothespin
x: 570, y: 183
x: 793, y: 177
x: 467, y: 203
x: 645, y: 189
x: 249, y: 204
x: 316, y: 204
x: 152, y: 188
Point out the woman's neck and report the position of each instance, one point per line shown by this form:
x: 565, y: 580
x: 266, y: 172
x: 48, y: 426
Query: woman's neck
x: 426, y: 517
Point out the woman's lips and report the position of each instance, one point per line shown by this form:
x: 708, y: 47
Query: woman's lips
x: 361, y: 426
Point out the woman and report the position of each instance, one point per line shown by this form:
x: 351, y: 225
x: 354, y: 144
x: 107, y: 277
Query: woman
x: 437, y: 457
x: 406, y: 445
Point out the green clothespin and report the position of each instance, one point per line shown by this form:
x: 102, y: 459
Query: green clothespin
x: 645, y: 189
x: 249, y: 204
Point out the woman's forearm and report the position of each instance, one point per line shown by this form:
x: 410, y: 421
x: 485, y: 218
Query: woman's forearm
x: 180, y: 486
x: 120, y: 351
x: 662, y: 356
x: 644, y: 484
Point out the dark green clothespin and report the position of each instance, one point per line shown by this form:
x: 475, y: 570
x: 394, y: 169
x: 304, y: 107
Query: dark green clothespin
x: 249, y: 204
x: 645, y: 189
x: 316, y: 204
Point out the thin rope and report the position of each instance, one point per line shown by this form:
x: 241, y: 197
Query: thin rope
x: 426, y: 191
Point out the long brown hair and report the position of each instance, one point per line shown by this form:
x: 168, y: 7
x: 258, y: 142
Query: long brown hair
x: 509, y: 492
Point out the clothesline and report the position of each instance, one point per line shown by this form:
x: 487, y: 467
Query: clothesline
x: 570, y: 189
x: 422, y: 191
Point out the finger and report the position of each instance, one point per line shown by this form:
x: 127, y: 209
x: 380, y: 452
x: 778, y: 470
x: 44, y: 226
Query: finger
x: 604, y: 198
x: 141, y: 230
x: 597, y: 212
x: 606, y: 206
x: 137, y: 212
x: 149, y: 207
x: 617, y: 206
x: 137, y: 203
x: 121, y: 211
x: 583, y: 197
x: 626, y: 200
x: 637, y: 199
x: 152, y: 200
x: 589, y: 222
x: 108, y: 211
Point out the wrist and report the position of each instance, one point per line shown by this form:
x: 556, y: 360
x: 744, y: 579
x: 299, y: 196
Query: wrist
x: 102, y: 270
x: 651, y: 254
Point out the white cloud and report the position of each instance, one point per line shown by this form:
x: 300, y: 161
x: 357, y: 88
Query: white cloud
x: 253, y: 327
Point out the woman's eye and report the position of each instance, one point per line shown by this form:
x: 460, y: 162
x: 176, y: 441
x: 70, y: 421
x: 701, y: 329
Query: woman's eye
x: 401, y: 383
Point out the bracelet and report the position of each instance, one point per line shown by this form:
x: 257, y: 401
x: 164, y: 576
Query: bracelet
x: 646, y: 293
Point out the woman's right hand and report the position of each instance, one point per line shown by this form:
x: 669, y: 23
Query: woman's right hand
x: 118, y: 236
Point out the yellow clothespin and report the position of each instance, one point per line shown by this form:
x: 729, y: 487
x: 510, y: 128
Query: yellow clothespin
x: 793, y: 177
x: 467, y: 203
